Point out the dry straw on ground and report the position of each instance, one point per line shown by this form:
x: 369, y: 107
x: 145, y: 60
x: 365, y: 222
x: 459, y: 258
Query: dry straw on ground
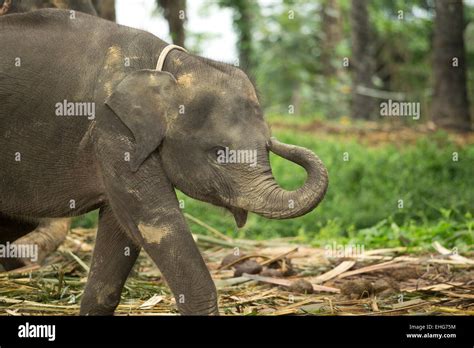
x: 287, y: 279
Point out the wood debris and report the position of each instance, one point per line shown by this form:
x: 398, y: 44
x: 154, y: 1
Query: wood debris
x: 288, y: 279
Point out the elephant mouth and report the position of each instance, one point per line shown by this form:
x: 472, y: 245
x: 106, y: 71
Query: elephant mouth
x: 240, y: 216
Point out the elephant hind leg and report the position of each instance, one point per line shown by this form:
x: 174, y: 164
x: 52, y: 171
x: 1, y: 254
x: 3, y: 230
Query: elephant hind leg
x: 43, y: 236
x: 48, y: 236
x: 12, y: 228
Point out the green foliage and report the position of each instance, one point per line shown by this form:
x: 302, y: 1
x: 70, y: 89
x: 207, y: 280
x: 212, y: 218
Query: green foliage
x: 403, y: 32
x: 86, y: 221
x: 287, y: 49
x: 365, y: 189
x: 454, y: 231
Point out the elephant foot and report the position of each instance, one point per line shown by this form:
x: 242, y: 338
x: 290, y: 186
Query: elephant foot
x: 91, y: 307
x: 211, y: 311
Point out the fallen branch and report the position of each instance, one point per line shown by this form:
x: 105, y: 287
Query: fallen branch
x: 385, y: 265
x: 341, y: 268
x: 453, y: 256
x: 276, y: 258
x: 288, y: 283
x: 240, y: 259
x: 207, y: 227
x: 214, y: 241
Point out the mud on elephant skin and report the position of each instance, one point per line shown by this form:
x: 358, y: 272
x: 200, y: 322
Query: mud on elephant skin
x: 196, y: 126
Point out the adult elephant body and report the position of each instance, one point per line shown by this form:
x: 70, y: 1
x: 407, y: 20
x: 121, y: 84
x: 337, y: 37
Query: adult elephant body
x: 47, y: 234
x: 86, y: 122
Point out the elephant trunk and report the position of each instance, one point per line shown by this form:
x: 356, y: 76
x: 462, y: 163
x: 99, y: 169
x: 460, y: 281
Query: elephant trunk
x: 277, y: 203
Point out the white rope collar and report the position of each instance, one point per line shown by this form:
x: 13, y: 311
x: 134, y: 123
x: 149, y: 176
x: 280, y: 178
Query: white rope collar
x: 164, y: 53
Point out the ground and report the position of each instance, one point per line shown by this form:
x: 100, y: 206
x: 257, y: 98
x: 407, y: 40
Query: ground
x: 371, y: 282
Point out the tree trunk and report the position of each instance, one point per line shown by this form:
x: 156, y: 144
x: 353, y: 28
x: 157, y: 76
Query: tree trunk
x: 175, y: 13
x: 362, y: 62
x: 244, y: 13
x: 450, y: 107
x: 332, y: 32
x: 245, y: 36
x: 105, y: 9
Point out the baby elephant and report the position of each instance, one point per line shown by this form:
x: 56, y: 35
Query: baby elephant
x: 98, y: 115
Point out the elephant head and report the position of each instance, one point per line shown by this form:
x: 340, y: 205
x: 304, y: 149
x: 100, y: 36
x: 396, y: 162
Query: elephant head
x: 207, y: 124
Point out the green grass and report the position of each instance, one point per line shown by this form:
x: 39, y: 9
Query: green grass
x: 362, y: 202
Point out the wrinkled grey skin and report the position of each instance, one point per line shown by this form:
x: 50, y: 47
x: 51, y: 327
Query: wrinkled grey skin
x: 153, y: 132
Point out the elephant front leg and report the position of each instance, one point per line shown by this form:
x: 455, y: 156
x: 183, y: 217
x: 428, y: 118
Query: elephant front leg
x: 113, y: 257
x: 146, y: 204
x: 170, y: 244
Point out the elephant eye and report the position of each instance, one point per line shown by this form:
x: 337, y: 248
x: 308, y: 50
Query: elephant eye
x: 218, y: 152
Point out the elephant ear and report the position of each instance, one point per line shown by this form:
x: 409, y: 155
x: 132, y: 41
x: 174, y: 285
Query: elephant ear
x: 141, y: 101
